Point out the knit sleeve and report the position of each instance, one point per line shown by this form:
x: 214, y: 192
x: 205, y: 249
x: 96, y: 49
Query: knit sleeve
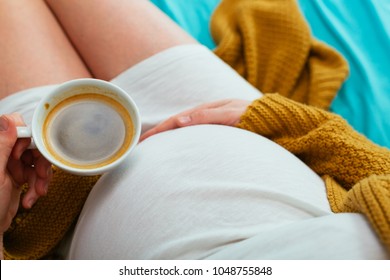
x: 356, y: 171
x: 324, y: 141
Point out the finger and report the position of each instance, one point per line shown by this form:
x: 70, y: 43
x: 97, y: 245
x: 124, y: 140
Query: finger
x: 22, y: 143
x: 186, y: 118
x: 16, y: 171
x: 181, y: 119
x: 42, y: 166
x: 17, y: 167
x: 196, y: 116
x: 20, y: 147
x: 27, y: 158
x: 31, y: 196
x: 219, y: 115
x: 41, y: 186
x: 208, y: 113
x: 44, y: 173
x: 7, y: 140
x: 169, y: 124
x: 37, y: 187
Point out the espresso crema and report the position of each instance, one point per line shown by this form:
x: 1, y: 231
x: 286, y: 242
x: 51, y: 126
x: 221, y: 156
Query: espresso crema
x: 88, y: 131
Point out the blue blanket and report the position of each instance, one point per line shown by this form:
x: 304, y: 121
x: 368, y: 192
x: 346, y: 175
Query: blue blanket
x: 361, y: 32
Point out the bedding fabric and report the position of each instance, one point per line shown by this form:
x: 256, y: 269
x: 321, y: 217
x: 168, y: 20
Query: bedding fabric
x: 360, y: 32
x: 192, y: 15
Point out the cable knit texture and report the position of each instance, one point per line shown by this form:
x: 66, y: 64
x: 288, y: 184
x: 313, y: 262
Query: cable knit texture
x: 355, y: 170
x: 269, y: 43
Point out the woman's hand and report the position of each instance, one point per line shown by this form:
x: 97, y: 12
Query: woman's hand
x: 19, y: 165
x: 225, y: 112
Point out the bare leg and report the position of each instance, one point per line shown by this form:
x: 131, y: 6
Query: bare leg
x: 112, y: 35
x: 34, y: 50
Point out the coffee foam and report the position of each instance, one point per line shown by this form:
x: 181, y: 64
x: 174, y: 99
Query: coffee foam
x: 88, y: 131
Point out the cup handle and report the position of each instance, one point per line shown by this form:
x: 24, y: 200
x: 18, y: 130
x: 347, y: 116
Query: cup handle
x: 25, y: 132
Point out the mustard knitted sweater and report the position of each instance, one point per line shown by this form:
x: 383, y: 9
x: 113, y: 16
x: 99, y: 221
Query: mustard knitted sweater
x: 356, y: 171
x: 268, y: 43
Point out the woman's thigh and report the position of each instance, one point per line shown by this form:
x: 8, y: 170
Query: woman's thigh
x: 34, y: 51
x: 112, y: 36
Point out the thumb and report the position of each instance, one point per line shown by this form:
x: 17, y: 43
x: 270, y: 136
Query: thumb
x: 7, y: 140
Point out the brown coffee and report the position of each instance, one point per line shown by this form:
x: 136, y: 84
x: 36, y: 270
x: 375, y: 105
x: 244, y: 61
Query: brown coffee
x: 88, y: 131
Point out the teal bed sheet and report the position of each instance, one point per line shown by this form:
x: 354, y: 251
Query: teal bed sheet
x: 359, y: 30
x: 192, y: 15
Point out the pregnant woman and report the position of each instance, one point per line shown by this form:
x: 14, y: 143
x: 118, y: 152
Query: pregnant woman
x: 205, y: 191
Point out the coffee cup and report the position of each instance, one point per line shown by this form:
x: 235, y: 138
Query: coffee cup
x: 85, y: 126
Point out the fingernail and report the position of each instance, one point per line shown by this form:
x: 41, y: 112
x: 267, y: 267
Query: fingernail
x: 4, y: 123
x: 184, y: 119
x: 31, y: 202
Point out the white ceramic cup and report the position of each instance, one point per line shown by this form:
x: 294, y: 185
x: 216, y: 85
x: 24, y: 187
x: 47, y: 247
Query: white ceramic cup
x: 79, y: 120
